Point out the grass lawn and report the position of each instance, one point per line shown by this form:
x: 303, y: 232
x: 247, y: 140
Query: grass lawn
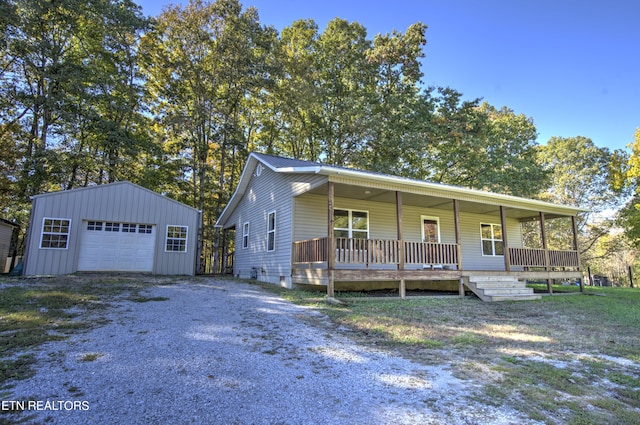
x: 567, y: 359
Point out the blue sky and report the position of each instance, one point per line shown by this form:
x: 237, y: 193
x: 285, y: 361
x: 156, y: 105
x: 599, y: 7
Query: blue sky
x: 573, y: 66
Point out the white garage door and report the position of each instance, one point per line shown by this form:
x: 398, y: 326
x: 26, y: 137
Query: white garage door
x: 110, y: 246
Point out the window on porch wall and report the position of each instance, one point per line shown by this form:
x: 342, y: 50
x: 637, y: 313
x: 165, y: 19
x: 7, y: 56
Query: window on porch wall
x: 351, y: 224
x: 492, y: 242
x: 430, y: 229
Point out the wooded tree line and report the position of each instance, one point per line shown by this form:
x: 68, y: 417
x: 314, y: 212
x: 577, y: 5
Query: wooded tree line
x: 95, y: 92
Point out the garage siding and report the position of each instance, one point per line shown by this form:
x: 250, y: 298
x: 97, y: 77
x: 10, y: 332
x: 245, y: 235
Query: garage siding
x: 121, y: 202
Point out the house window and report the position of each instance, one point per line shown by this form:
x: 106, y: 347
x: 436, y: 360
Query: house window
x: 245, y: 235
x: 55, y: 233
x: 491, y: 236
x: 176, y: 239
x: 351, y: 224
x: 94, y: 225
x: 430, y: 229
x: 111, y: 227
x: 271, y: 231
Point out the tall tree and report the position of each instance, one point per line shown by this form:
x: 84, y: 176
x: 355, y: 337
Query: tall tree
x: 581, y: 173
x: 107, y: 138
x: 288, y: 111
x: 396, y: 116
x: 203, y: 62
x: 511, y: 150
x: 629, y: 215
x: 64, y: 67
x: 344, y: 87
x: 453, y: 140
x: 581, y: 176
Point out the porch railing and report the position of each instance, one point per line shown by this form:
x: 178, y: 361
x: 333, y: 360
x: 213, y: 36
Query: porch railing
x: 431, y: 253
x: 366, y: 251
x: 374, y: 251
x: 538, y: 258
x: 386, y: 251
x: 310, y: 251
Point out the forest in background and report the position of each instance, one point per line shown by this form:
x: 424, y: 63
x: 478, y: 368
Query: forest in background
x: 96, y: 92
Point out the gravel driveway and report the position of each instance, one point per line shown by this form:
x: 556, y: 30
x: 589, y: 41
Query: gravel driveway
x: 222, y: 352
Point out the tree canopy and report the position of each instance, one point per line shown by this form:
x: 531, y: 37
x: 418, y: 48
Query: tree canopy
x: 94, y: 92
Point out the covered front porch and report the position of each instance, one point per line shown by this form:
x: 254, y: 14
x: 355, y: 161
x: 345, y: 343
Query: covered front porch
x: 326, y: 260
x: 395, y: 260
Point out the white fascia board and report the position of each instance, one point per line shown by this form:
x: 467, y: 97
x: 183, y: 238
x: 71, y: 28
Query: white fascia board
x: 450, y: 191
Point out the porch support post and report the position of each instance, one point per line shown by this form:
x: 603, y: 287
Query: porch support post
x: 330, y: 241
x: 574, y: 226
x: 402, y: 289
x: 505, y: 241
x: 543, y: 236
x: 456, y: 226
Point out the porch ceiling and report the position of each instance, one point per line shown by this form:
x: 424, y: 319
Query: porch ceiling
x: 431, y: 201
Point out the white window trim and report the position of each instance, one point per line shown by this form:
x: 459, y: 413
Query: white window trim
x: 433, y: 218
x: 493, y: 240
x: 350, y: 229
x: 166, y: 238
x: 272, y: 231
x: 245, y: 226
x: 42, y: 233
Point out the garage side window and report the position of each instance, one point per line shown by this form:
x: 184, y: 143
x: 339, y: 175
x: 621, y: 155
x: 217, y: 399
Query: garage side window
x: 55, y: 233
x: 176, y: 239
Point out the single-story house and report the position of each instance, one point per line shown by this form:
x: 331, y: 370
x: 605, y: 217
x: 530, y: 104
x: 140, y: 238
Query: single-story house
x: 305, y: 223
x: 116, y: 227
x: 6, y: 234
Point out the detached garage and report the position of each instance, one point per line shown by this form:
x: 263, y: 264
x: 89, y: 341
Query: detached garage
x: 117, y: 227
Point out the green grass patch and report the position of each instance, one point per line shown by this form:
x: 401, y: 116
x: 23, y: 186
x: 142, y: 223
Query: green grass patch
x: 140, y: 299
x: 546, y: 359
x: 91, y: 357
x: 20, y: 368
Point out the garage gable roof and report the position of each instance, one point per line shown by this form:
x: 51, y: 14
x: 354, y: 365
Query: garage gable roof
x: 102, y: 186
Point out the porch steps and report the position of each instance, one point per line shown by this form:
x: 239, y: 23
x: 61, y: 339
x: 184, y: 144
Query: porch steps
x: 500, y: 288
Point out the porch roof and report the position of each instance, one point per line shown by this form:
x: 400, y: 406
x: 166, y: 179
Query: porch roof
x: 358, y: 184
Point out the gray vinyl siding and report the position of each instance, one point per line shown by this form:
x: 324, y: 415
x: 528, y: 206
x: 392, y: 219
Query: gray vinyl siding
x: 311, y: 222
x: 266, y: 193
x: 121, y: 202
x: 472, y: 257
x: 6, y: 231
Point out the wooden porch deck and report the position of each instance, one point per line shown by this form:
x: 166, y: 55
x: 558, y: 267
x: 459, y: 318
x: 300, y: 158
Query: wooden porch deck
x: 393, y: 260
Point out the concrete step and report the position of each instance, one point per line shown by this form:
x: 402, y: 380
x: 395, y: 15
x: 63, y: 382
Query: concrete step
x: 516, y: 298
x: 507, y: 291
x: 505, y: 284
x: 491, y: 278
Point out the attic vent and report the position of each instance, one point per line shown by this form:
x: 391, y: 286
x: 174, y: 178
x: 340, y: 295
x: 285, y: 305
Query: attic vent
x: 259, y: 169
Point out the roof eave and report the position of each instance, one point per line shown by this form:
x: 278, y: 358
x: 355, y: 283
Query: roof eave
x: 498, y: 198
